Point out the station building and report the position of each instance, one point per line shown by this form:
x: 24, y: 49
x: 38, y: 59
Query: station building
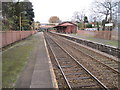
x: 66, y: 27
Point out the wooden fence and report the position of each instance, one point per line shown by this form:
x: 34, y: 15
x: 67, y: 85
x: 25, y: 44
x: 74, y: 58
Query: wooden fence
x: 9, y: 37
x: 108, y: 35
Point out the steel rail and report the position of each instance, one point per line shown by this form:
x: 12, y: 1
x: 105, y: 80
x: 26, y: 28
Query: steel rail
x: 59, y: 66
x: 97, y: 80
x: 117, y: 71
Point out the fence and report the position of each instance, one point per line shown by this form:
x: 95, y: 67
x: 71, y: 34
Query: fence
x: 9, y: 37
x: 109, y: 35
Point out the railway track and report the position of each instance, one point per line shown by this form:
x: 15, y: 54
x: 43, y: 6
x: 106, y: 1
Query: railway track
x: 75, y: 74
x: 108, y: 62
x: 105, y: 73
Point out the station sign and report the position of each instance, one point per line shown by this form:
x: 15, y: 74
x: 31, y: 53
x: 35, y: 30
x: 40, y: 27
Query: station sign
x: 109, y: 24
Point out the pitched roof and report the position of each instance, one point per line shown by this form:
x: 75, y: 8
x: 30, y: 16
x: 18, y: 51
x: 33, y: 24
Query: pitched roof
x: 67, y: 23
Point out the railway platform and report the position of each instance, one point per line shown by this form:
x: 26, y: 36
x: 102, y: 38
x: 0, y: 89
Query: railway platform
x: 113, y: 43
x: 95, y: 43
x: 41, y: 75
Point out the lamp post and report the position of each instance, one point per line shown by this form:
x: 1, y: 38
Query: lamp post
x: 20, y: 19
x: 118, y: 27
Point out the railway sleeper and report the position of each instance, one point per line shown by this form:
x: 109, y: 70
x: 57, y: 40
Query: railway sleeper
x: 109, y: 63
x: 113, y: 65
x: 78, y: 78
x: 81, y: 73
x: 75, y: 69
x: 67, y: 66
x: 62, y: 59
x: 84, y: 86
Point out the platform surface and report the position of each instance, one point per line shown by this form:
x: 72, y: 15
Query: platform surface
x: 41, y: 77
x: 113, y: 43
x: 37, y: 72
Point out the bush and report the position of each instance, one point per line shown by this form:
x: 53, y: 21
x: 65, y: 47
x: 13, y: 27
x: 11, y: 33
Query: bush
x: 89, y: 26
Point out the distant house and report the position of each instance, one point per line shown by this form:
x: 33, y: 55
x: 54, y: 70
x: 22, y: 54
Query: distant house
x: 66, y: 27
x: 36, y: 25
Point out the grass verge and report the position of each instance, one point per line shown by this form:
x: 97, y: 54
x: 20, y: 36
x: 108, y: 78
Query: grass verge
x: 14, y: 60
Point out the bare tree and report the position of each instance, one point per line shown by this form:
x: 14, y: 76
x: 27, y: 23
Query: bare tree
x: 78, y: 16
x: 105, y: 9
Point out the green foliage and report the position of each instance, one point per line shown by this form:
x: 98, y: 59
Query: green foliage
x: 79, y: 25
x: 85, y: 19
x: 12, y: 11
x: 88, y: 25
x: 98, y: 28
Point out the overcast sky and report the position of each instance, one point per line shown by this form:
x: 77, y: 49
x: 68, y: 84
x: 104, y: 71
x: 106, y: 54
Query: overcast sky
x: 64, y: 9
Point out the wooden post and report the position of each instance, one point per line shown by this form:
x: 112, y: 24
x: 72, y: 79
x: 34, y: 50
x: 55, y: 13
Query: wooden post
x: 20, y: 21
